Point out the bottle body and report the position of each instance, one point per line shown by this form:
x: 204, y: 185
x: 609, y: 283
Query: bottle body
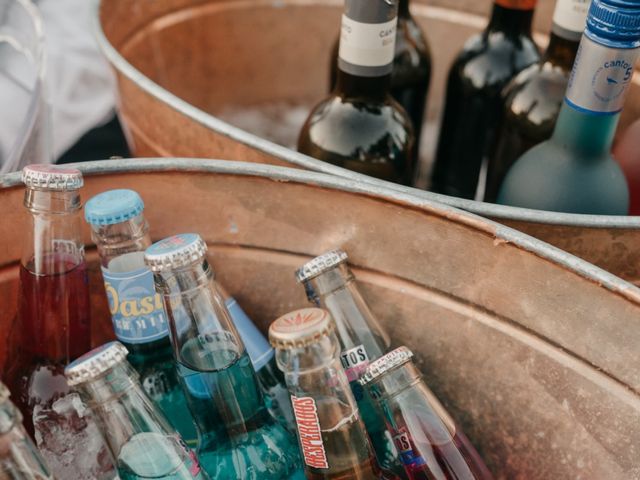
x: 486, y: 64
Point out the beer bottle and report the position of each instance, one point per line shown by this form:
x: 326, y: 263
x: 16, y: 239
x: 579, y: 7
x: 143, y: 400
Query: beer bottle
x: 52, y: 327
x: 19, y: 458
x: 330, y: 284
x: 359, y: 126
x: 238, y: 438
x: 486, y: 64
x: 140, y: 439
x: 332, y: 436
x: 573, y: 171
x: 532, y: 100
x: 431, y: 445
x: 121, y: 233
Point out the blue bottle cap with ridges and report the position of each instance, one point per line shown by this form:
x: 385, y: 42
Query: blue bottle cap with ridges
x: 614, y: 23
x: 113, y: 206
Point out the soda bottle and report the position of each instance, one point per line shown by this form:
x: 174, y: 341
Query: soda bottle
x: 333, y: 439
x: 238, y: 438
x: 330, y: 284
x: 121, y: 233
x: 141, y: 440
x: 52, y: 327
x: 19, y: 458
x: 431, y: 446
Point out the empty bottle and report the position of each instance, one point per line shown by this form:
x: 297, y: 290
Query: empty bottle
x: 332, y: 437
x: 52, y: 327
x: 140, y: 439
x: 19, y: 458
x: 238, y: 438
x: 330, y: 284
x: 573, y: 171
x: 485, y: 65
x: 121, y: 233
x: 532, y: 100
x: 431, y: 445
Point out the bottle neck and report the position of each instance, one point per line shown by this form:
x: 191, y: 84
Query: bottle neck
x: 561, y: 52
x: 363, y: 89
x: 117, y: 240
x: 512, y: 22
x: 403, y: 9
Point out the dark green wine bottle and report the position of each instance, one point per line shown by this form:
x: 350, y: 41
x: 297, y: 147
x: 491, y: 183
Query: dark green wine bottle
x: 359, y: 126
x: 486, y: 64
x: 532, y: 100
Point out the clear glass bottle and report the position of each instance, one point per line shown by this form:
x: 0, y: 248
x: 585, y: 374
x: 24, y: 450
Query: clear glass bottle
x: 330, y: 284
x: 333, y: 439
x: 140, y: 439
x: 53, y: 326
x: 19, y: 458
x: 430, y: 443
x: 238, y: 438
x: 121, y: 234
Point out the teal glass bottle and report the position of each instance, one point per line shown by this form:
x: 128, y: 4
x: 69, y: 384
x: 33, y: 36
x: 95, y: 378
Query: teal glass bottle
x: 141, y: 441
x: 238, y: 437
x: 121, y: 234
x: 574, y: 171
x: 330, y: 284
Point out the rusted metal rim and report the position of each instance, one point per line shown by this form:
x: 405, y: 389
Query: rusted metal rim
x: 500, y: 232
x: 306, y: 162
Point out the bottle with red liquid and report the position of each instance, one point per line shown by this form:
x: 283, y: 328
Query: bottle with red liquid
x: 52, y: 327
x: 430, y: 444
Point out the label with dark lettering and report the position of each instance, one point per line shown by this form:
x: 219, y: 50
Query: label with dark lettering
x: 309, y: 433
x: 409, y: 456
x: 354, y: 361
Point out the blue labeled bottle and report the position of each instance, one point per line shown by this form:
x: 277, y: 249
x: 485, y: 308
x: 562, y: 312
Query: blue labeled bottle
x: 121, y: 233
x: 574, y: 171
x: 140, y: 439
x: 238, y: 438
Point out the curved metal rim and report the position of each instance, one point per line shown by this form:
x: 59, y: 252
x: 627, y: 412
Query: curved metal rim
x: 270, y: 148
x: 284, y: 174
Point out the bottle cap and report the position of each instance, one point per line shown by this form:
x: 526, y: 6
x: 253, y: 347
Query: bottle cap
x: 382, y: 365
x: 94, y: 363
x: 175, y: 252
x: 321, y: 264
x: 52, y: 177
x: 113, y: 206
x: 615, y: 23
x: 300, y: 328
x: 4, y: 393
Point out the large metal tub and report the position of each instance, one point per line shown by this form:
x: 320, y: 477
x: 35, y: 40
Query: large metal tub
x: 183, y: 66
x: 532, y: 349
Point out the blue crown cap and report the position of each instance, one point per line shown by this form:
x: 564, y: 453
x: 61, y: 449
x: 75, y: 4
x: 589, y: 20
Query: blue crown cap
x: 113, y: 206
x: 614, y: 23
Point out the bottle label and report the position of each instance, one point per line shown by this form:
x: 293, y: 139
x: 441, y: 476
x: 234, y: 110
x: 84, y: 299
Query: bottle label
x: 517, y: 4
x: 354, y: 361
x: 257, y: 346
x: 408, y: 454
x: 136, y: 310
x: 600, y: 78
x: 309, y: 433
x: 570, y: 18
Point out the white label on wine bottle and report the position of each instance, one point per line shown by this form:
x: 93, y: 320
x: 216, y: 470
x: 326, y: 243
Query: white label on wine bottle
x: 309, y: 433
x: 571, y: 15
x: 369, y: 45
x: 354, y: 361
x: 600, y: 78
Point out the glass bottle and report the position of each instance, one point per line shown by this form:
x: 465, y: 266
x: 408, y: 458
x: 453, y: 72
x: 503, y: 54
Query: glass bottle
x: 53, y: 327
x: 238, y: 438
x: 411, y: 69
x: 627, y: 154
x: 330, y: 284
x: 331, y: 434
x: 141, y: 440
x: 573, y: 171
x: 19, y: 458
x: 359, y: 126
x: 485, y: 65
x: 532, y: 100
x: 121, y: 234
x: 431, y: 444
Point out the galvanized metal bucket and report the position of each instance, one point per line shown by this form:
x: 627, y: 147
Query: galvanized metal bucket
x: 184, y: 65
x: 532, y: 349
